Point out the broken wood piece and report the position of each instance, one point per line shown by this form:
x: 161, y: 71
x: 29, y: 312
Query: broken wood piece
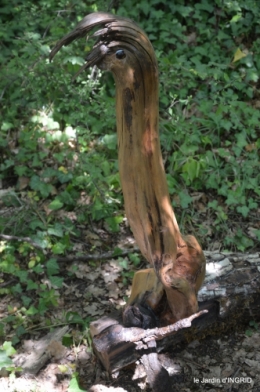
x: 41, y: 351
x: 157, y: 376
x: 117, y: 343
x: 230, y: 294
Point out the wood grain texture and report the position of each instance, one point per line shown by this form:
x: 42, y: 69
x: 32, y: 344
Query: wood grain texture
x: 178, y: 261
x: 230, y: 294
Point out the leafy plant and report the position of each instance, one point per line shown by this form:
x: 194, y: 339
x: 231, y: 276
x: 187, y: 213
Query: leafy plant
x: 253, y: 326
x: 74, y: 384
x: 58, y: 144
x: 6, y: 352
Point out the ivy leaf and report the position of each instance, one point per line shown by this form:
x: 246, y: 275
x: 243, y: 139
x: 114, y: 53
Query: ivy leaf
x: 58, y: 248
x: 192, y: 168
x: 114, y: 222
x: 244, y: 210
x: 56, y: 281
x: 56, y: 231
x: 38, y: 185
x: 7, y: 346
x: 5, y: 361
x: 238, y: 55
x: 74, y: 385
x: 56, y: 204
x: 185, y: 199
x: 52, y: 267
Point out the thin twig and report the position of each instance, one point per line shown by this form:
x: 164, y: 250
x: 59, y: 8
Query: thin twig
x: 234, y: 375
x: 21, y: 239
x: 101, y: 256
x: 5, y: 284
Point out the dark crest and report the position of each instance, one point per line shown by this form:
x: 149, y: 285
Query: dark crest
x: 116, y: 34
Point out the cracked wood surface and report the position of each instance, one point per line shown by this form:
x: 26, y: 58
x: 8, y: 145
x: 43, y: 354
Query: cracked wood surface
x: 230, y: 293
x: 125, y: 50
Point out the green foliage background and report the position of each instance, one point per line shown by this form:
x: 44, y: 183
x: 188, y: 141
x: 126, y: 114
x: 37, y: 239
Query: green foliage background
x: 58, y: 138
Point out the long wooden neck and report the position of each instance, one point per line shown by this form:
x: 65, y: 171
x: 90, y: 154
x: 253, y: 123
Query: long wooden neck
x: 124, y: 49
x: 142, y: 174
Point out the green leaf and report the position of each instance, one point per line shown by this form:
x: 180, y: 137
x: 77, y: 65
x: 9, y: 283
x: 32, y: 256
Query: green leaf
x: 40, y: 239
x: 113, y: 223
x: 110, y: 141
x: 56, y: 231
x: 117, y: 252
x: 38, y: 270
x: 192, y: 168
x: 248, y: 332
x: 7, y: 346
x: 38, y: 185
x: 32, y: 311
x: 124, y: 264
x: 135, y: 258
x: 31, y: 285
x: 58, y: 248
x: 26, y: 300
x: 74, y: 318
x: 185, y: 199
x: 74, y: 60
x: 74, y: 385
x: 34, y: 223
x: 67, y: 340
x: 5, y: 361
x: 52, y: 266
x: 56, y: 281
x: 23, y: 275
x: 6, y: 126
x: 20, y: 331
x: 244, y: 210
x: 56, y: 204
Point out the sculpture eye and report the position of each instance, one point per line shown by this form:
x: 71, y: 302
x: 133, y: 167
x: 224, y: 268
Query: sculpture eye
x: 120, y: 54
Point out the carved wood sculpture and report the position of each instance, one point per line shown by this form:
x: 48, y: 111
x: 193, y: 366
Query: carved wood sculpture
x: 178, y: 262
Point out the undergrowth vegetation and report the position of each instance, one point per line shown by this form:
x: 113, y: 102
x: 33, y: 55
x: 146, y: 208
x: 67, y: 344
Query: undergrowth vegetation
x: 58, y: 147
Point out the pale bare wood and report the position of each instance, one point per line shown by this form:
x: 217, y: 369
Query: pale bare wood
x: 178, y: 261
x: 40, y: 352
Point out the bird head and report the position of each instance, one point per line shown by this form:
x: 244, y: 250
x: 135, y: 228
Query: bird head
x: 121, y: 47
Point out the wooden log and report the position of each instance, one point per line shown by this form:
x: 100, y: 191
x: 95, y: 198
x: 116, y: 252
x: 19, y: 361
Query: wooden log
x: 230, y: 294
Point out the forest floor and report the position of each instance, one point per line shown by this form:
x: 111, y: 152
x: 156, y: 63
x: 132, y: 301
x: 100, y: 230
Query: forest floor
x: 227, y: 362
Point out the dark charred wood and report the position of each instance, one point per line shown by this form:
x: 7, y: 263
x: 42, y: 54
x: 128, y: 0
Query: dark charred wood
x: 157, y: 376
x: 230, y: 294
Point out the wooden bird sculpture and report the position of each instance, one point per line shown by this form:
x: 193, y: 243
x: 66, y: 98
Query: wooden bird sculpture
x: 178, y: 262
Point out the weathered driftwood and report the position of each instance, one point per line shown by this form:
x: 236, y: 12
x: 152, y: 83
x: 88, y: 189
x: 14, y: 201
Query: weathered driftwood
x: 41, y: 351
x: 125, y: 50
x: 230, y: 293
x: 178, y: 261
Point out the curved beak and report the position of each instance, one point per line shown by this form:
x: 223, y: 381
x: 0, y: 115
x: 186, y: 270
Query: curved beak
x: 81, y: 30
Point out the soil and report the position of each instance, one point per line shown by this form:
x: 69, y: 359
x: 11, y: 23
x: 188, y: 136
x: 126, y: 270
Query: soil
x: 229, y: 362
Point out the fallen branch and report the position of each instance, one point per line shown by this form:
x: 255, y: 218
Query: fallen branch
x: 136, y: 335
x: 99, y: 256
x: 8, y: 283
x: 21, y: 239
